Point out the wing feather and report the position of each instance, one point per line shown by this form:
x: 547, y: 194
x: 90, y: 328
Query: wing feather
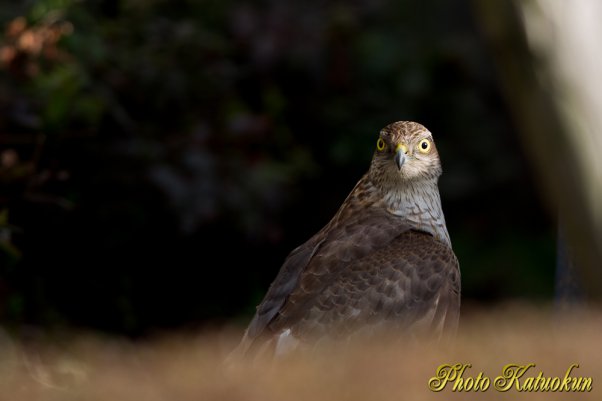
x: 311, y: 266
x: 369, y: 272
x: 411, y: 284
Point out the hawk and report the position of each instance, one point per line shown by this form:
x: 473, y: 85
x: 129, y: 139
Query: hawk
x: 384, y: 260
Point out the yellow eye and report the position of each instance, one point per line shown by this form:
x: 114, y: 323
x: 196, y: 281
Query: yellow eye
x: 424, y: 146
x: 380, y: 145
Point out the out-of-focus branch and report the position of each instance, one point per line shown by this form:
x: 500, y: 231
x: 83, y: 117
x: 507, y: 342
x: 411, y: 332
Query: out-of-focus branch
x: 545, y: 58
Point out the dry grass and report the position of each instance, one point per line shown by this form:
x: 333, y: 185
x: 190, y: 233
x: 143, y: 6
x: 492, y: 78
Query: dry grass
x: 190, y: 367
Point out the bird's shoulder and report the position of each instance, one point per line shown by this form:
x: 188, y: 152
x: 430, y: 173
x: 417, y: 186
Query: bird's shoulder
x: 358, y: 227
x: 412, y: 280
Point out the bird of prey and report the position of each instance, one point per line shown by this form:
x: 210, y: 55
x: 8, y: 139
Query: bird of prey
x: 384, y: 260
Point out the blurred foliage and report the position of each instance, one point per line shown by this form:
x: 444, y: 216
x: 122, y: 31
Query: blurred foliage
x: 159, y: 159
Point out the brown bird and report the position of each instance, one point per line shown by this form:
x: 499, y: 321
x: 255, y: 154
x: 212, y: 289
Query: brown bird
x: 383, y: 261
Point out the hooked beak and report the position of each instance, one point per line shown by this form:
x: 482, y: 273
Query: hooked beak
x: 400, y: 155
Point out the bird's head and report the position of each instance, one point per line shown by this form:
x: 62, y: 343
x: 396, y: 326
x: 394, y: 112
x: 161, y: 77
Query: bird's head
x: 405, y: 151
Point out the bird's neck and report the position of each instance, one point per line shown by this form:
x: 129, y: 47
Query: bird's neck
x: 419, y: 203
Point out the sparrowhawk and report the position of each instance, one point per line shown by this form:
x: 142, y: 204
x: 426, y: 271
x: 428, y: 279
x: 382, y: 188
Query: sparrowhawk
x: 384, y: 260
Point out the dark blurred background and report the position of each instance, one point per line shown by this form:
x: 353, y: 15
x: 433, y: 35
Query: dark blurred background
x: 159, y: 159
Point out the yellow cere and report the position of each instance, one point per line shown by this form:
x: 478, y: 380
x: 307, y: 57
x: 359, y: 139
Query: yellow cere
x: 380, y: 145
x: 403, y: 148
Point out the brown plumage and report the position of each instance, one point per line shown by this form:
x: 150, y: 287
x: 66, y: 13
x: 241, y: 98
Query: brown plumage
x: 383, y: 261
